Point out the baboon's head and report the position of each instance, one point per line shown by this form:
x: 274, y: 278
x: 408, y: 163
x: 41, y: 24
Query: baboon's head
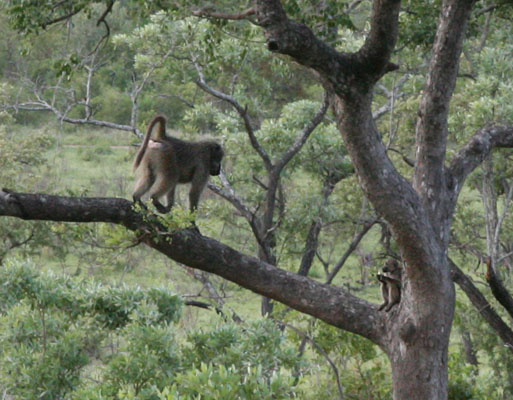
x: 391, y: 266
x: 216, y: 155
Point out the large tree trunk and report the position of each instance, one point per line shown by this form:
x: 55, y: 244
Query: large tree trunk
x: 418, y: 329
x: 420, y: 371
x: 418, y: 344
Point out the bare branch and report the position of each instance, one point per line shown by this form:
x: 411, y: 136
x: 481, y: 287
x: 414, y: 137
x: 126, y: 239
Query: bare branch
x: 76, y: 9
x: 485, y: 33
x: 242, y: 111
x: 392, y: 96
x: 499, y: 291
x: 41, y: 104
x: 181, y: 98
x: 352, y: 246
x: 305, y: 134
x: 228, y: 193
x: 107, y: 27
x: 91, y: 69
x: 407, y: 160
x: 137, y: 89
x: 324, y: 354
x: 44, y: 106
x: 505, y: 212
x: 207, y: 284
x: 15, y: 243
x: 312, y: 239
x: 490, y: 9
x: 104, y: 15
x: 205, y: 12
x: 62, y: 17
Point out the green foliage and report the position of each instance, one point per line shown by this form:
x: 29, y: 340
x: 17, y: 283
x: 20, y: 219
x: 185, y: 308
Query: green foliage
x: 233, y: 363
x: 30, y: 16
x: 148, y: 360
x: 369, y: 376
x: 41, y: 354
x: 66, y: 67
x: 67, y: 338
x: 489, y: 97
x: 462, y: 380
x: 51, y: 325
x: 214, y: 382
x: 324, y: 18
x: 255, y: 346
x: 418, y: 23
x: 220, y: 363
x: 111, y: 307
x: 178, y: 218
x: 492, y: 377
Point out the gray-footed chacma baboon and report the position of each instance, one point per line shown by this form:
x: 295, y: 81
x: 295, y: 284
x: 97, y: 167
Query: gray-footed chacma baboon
x: 164, y: 161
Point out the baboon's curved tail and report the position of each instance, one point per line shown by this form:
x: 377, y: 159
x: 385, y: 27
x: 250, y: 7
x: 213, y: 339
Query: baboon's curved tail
x: 161, y: 133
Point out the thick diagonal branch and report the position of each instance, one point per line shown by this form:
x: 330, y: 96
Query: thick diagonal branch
x: 482, y: 305
x: 330, y: 304
x: 474, y: 153
x: 431, y: 131
x: 499, y: 291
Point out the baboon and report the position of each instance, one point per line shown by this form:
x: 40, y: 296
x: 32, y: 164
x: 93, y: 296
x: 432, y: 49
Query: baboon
x: 164, y: 161
x: 390, y: 284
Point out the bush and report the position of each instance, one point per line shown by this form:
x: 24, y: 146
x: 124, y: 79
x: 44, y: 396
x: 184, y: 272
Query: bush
x: 50, y: 326
x: 65, y: 338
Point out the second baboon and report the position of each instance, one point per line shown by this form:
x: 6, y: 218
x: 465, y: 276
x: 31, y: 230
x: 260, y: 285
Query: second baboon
x: 164, y: 161
x: 390, y: 284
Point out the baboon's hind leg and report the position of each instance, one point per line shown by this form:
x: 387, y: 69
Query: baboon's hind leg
x: 142, y: 185
x: 164, y: 185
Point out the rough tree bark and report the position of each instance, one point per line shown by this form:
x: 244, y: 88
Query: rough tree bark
x: 415, y: 334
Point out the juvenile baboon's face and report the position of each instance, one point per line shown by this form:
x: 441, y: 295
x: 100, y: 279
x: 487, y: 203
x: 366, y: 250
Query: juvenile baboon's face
x: 216, y: 155
x: 391, y: 266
